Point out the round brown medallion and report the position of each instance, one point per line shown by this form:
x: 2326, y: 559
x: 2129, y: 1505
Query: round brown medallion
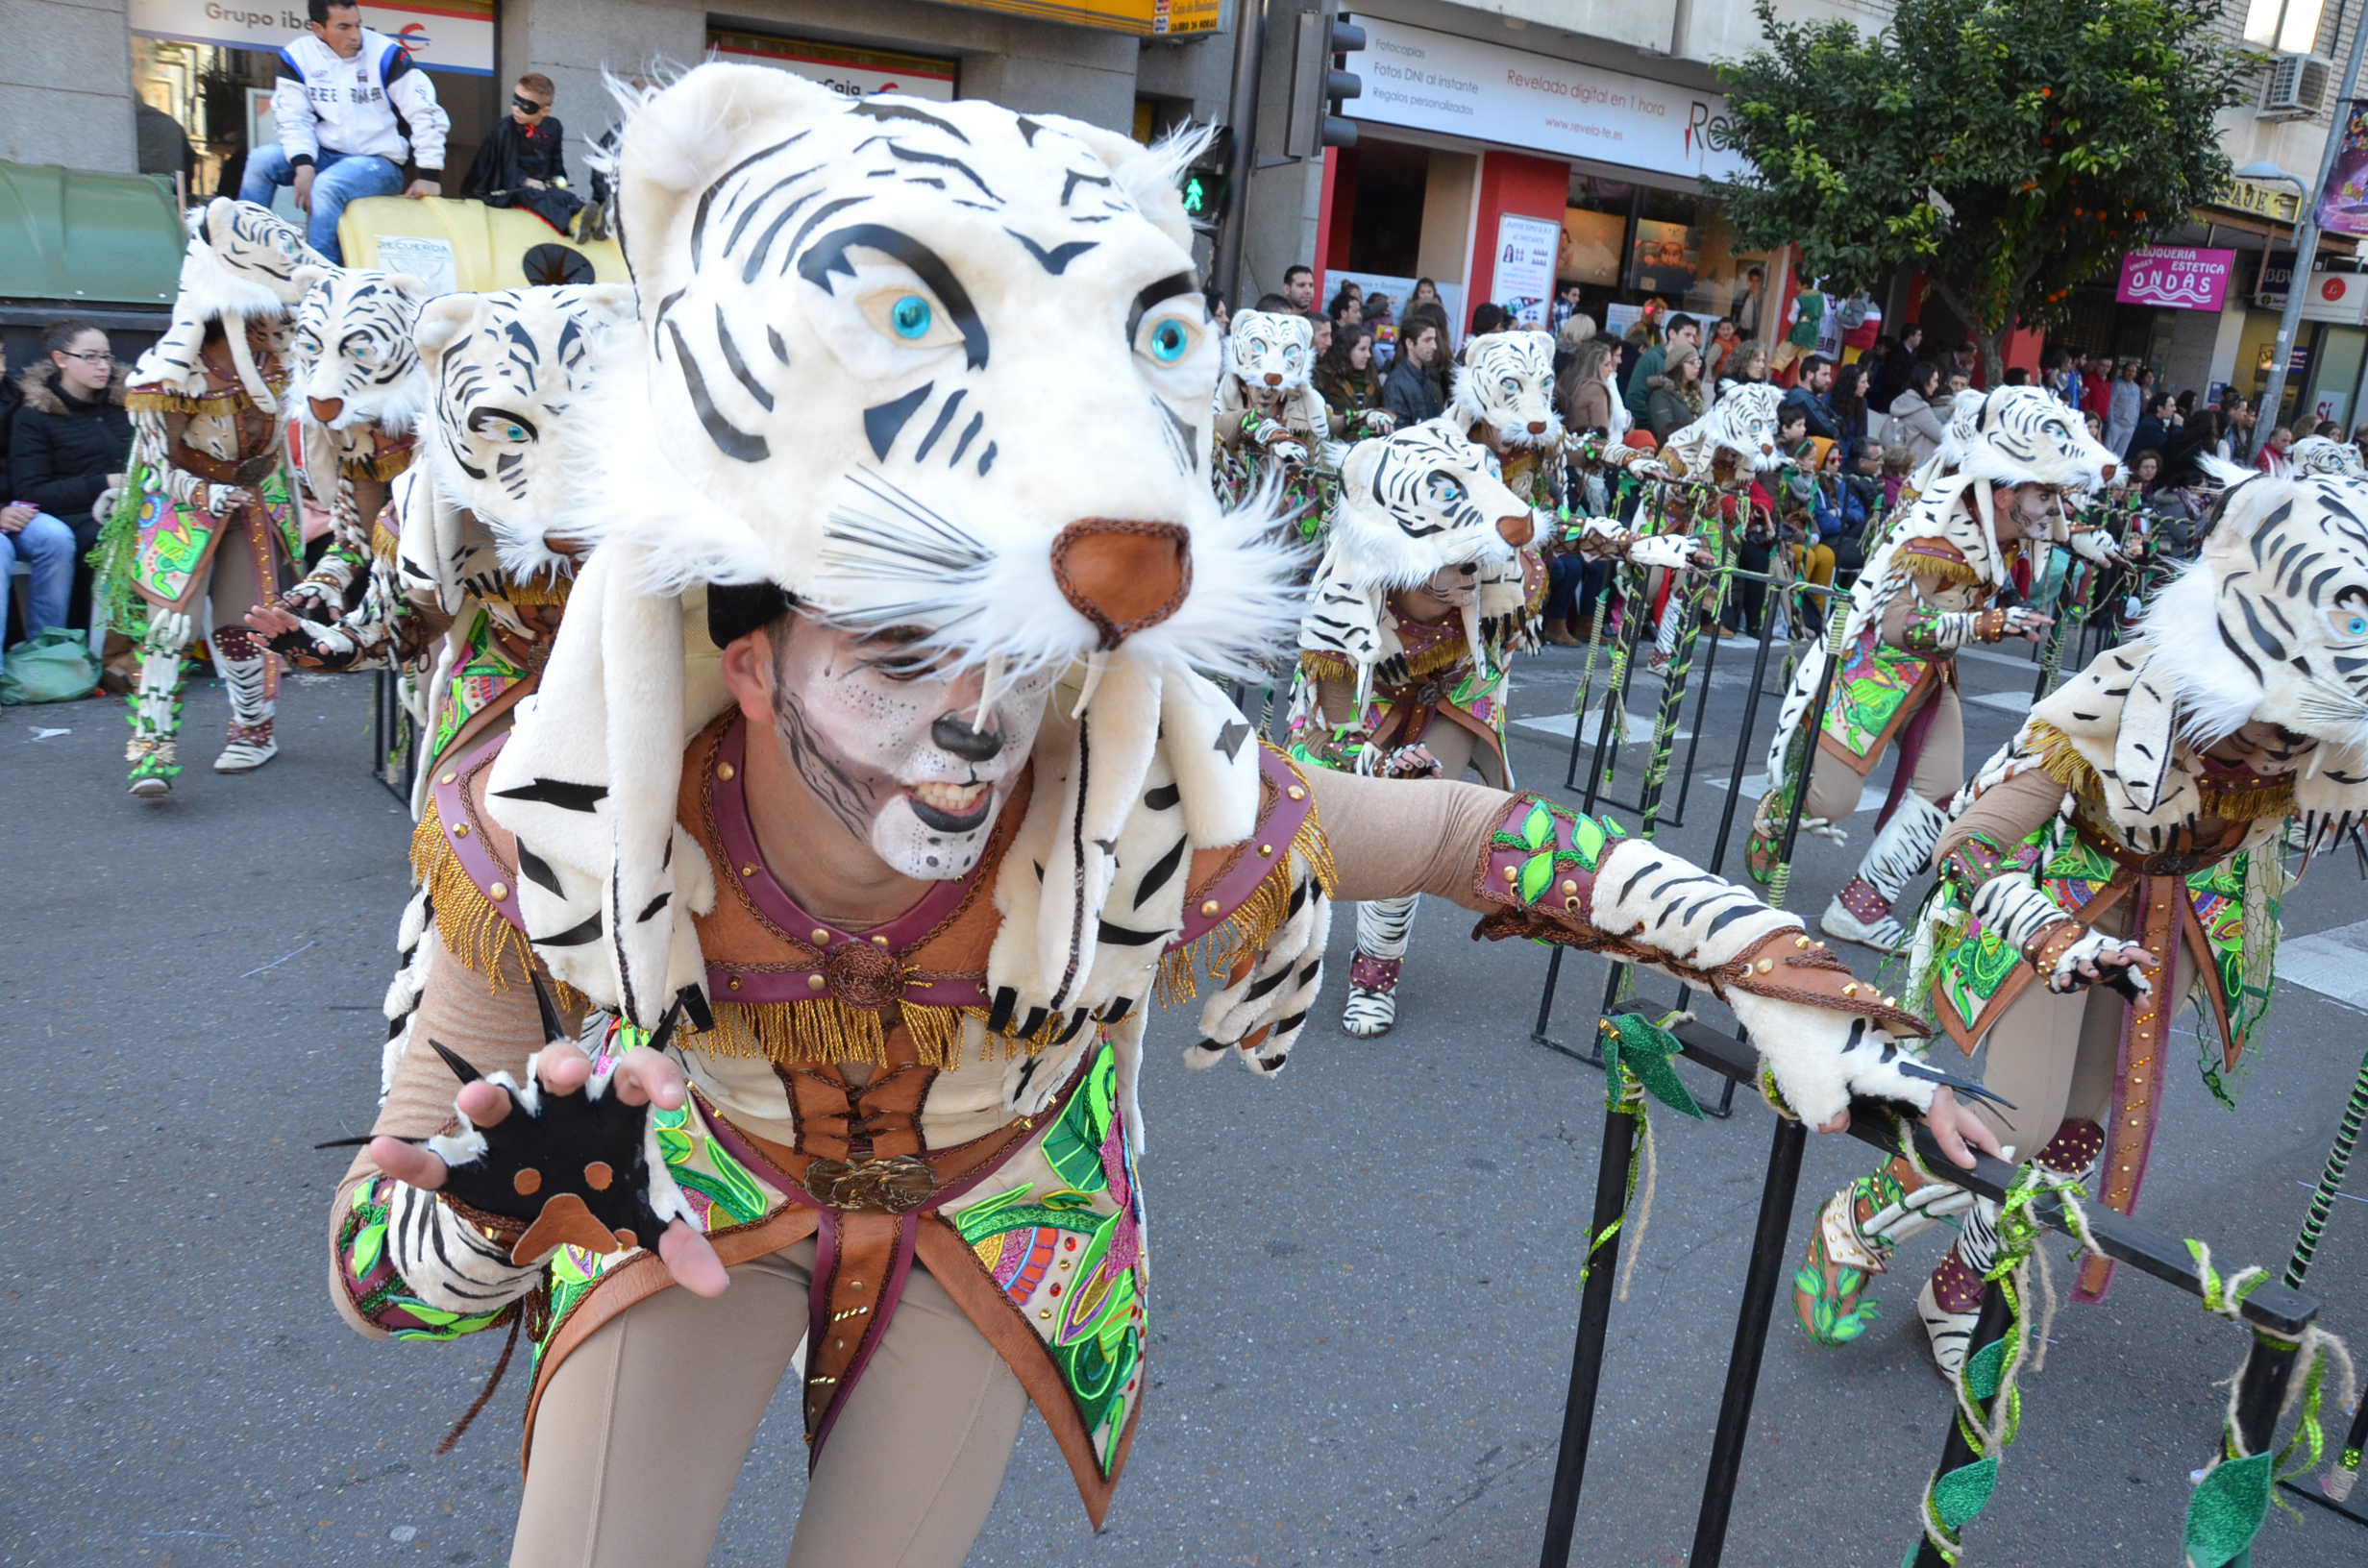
x: 864, y: 975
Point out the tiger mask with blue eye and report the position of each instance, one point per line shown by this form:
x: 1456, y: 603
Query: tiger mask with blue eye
x: 1420, y: 508
x: 356, y: 364
x: 915, y: 362
x: 505, y: 370
x: 2279, y: 596
x: 1506, y: 382
x: 1269, y: 360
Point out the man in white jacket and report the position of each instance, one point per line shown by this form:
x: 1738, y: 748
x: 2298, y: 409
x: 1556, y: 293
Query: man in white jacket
x: 351, y: 110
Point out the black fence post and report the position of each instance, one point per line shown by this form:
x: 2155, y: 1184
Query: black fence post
x: 1771, y: 1243
x: 1611, y: 1166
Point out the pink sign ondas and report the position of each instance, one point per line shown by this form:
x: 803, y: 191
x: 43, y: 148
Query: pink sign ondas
x: 2176, y: 276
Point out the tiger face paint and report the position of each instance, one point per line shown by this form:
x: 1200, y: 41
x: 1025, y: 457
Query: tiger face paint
x: 916, y: 761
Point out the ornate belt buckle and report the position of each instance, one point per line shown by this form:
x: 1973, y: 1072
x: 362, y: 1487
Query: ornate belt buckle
x: 895, y: 1184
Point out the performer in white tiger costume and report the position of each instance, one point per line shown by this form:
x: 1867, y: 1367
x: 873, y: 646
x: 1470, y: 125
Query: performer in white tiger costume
x: 2322, y: 455
x: 207, y: 525
x: 869, y: 796
x: 2012, y: 457
x: 360, y: 390
x: 482, y: 561
x: 1704, y: 482
x: 2130, y: 835
x: 1269, y: 425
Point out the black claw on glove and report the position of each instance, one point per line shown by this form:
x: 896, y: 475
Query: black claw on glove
x: 570, y: 1168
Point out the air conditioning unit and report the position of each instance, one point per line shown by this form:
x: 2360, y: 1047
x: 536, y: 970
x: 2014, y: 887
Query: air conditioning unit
x: 2296, y: 88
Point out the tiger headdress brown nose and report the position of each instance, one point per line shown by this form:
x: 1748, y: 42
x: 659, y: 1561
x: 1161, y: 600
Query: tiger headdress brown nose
x: 326, y: 409
x: 1122, y: 574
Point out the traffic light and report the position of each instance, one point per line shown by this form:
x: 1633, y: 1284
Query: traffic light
x: 1207, y: 179
x: 1321, y: 84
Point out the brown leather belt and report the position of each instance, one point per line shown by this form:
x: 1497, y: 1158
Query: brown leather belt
x: 2197, y: 855
x: 245, y: 473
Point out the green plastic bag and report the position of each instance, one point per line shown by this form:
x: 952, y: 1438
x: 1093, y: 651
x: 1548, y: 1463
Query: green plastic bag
x: 53, y: 666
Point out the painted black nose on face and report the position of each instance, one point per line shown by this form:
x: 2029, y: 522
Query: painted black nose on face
x: 953, y: 735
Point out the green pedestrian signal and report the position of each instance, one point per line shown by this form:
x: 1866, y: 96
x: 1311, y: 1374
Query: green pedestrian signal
x: 1196, y: 195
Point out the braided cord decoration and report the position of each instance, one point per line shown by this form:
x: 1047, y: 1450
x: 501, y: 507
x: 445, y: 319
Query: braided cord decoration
x: 2230, y: 1502
x: 1990, y: 1397
x: 2330, y: 1181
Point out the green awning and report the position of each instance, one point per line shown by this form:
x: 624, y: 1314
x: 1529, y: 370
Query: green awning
x: 79, y: 236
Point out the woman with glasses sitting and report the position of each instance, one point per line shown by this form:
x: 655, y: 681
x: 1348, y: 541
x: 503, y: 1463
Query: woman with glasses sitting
x: 67, y: 447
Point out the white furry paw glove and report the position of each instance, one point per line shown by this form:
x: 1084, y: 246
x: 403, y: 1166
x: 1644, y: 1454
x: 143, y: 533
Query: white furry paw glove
x: 1289, y: 451
x: 1823, y: 1059
x: 222, y: 500
x: 2095, y: 958
x: 1669, y: 551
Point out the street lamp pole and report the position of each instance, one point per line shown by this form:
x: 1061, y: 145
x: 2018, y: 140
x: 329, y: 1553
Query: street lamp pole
x: 2306, y: 234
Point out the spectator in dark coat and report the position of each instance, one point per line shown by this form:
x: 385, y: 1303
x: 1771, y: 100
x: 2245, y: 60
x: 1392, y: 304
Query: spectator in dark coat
x: 1809, y: 396
x: 520, y: 164
x: 1410, y: 393
x: 69, y: 443
x: 1895, y: 370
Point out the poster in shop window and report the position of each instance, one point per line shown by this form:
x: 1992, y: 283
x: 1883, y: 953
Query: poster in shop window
x: 1524, y: 280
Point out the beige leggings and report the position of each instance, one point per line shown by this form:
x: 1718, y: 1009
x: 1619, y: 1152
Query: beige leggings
x: 1834, y: 788
x: 1458, y: 748
x: 2055, y: 1057
x: 643, y: 1429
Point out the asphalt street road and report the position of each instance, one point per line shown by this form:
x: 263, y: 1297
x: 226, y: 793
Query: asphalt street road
x: 1366, y: 1276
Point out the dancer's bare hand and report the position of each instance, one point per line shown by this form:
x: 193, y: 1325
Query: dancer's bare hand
x: 640, y: 1078
x: 1958, y: 1131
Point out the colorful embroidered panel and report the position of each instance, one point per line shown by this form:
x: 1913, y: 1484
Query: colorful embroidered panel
x: 481, y: 676
x: 1068, y: 1251
x: 174, y: 541
x: 1870, y: 688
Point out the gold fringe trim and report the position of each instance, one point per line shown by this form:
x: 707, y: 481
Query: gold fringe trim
x: 2062, y: 761
x: 384, y: 465
x: 1444, y: 654
x: 827, y: 1030
x: 474, y: 931
x: 1253, y: 924
x: 382, y: 542
x: 1948, y: 568
x: 176, y: 403
x: 538, y: 592
x: 2251, y: 803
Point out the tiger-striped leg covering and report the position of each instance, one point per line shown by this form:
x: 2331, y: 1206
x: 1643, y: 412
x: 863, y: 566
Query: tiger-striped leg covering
x: 1852, y: 1239
x: 1382, y: 924
x: 153, y: 707
x: 247, y: 669
x: 1901, y: 853
x: 1951, y: 1300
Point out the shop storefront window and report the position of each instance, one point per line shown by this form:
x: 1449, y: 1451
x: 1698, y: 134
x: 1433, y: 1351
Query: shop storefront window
x: 210, y: 71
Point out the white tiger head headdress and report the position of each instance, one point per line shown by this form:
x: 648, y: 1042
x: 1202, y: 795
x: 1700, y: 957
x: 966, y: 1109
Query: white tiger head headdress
x: 1742, y: 424
x: 2323, y: 454
x: 2269, y: 622
x: 1270, y: 350
x: 242, y: 260
x: 1420, y: 508
x: 2013, y: 435
x: 1507, y: 382
x: 859, y: 321
x: 505, y: 371
x: 356, y: 359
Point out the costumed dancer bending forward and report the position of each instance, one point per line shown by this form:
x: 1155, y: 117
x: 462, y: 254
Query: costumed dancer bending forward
x: 470, y: 597
x: 844, y: 889
x: 2119, y: 855
x: 1995, y: 490
x: 1424, y: 590
x: 208, y: 526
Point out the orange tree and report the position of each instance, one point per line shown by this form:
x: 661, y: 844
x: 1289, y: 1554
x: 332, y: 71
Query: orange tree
x: 2012, y: 149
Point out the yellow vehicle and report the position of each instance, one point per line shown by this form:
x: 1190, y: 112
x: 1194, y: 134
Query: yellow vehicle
x: 467, y: 247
